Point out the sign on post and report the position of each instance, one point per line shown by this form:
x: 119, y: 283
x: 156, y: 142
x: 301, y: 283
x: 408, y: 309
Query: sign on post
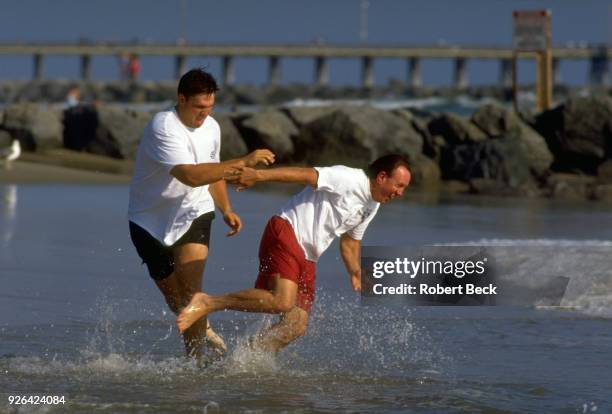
x: 532, y: 34
x: 531, y: 30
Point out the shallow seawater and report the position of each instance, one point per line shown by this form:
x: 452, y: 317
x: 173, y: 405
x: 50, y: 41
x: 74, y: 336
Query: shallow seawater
x: 79, y: 318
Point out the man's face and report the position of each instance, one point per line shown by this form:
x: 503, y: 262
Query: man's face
x: 387, y: 187
x: 194, y: 110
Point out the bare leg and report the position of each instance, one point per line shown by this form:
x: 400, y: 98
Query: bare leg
x: 178, y: 289
x: 291, y: 326
x: 280, y: 300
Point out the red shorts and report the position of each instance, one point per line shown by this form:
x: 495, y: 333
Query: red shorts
x: 280, y: 254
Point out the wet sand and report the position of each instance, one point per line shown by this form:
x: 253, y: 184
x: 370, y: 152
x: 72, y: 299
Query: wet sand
x: 64, y: 166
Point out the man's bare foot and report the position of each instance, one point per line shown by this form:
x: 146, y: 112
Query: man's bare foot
x: 215, y: 341
x: 195, y: 309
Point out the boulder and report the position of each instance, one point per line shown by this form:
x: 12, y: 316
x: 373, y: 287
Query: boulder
x: 604, y: 172
x: 603, y: 193
x: 38, y: 127
x: 269, y: 128
x: 5, y: 139
x: 425, y: 173
x: 431, y: 143
x: 118, y: 132
x: 302, y: 115
x: 570, y: 186
x: 232, y: 144
x: 500, y: 160
x: 579, y: 133
x: 355, y: 136
x: 497, y: 121
x: 455, y: 129
x: 105, y: 130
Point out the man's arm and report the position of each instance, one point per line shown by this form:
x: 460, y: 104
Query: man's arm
x: 350, y: 250
x: 218, y: 191
x: 195, y: 175
x: 245, y: 177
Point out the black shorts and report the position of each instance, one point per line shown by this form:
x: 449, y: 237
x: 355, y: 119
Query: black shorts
x: 158, y: 257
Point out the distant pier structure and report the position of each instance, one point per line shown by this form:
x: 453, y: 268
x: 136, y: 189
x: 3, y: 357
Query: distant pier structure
x: 599, y: 56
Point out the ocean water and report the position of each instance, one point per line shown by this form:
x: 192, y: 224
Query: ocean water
x: 79, y: 317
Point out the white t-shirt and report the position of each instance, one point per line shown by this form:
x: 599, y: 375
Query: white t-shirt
x: 159, y: 203
x: 341, y: 203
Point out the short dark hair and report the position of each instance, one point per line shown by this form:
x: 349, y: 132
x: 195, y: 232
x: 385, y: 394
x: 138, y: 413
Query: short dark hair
x: 387, y: 163
x: 197, y: 81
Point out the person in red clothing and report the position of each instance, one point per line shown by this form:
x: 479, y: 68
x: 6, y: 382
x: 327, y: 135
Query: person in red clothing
x: 338, y: 201
x: 134, y: 68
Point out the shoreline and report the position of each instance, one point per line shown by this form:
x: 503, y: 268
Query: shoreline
x: 73, y: 168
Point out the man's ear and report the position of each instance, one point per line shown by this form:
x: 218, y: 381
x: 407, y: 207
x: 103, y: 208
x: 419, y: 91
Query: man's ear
x: 181, y: 99
x: 380, y: 177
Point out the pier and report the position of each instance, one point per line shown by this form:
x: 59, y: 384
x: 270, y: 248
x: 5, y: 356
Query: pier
x: 598, y: 56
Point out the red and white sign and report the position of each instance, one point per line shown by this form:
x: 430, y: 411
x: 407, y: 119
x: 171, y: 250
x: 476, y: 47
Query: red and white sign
x: 531, y: 30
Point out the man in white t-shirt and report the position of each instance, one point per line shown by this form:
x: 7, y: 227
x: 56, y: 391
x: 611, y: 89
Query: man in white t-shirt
x: 338, y: 202
x: 177, y: 182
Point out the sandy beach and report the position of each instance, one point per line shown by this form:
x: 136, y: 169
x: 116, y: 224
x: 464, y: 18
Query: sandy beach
x: 65, y: 166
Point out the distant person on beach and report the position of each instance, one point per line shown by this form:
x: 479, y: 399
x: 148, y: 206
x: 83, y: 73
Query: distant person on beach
x: 133, y: 68
x: 338, y: 201
x: 73, y: 97
x: 176, y: 185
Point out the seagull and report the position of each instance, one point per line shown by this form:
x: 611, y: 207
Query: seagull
x: 7, y: 155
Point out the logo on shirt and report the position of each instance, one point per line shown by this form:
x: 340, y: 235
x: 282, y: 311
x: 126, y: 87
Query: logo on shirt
x: 365, y: 213
x: 213, y: 154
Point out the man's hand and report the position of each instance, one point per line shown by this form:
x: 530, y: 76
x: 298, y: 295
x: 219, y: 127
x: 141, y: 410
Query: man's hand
x: 356, y: 280
x: 233, y: 221
x: 263, y: 156
x: 242, y: 178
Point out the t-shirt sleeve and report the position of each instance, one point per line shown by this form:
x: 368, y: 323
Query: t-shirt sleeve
x: 335, y: 179
x: 358, y: 231
x: 167, y: 148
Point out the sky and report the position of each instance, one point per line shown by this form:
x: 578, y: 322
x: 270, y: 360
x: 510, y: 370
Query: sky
x: 389, y: 22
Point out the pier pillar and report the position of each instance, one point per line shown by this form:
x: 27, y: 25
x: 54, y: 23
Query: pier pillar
x: 600, y: 71
x: 85, y: 67
x: 38, y: 67
x: 274, y: 70
x: 321, y: 72
x: 367, y: 71
x: 228, y: 70
x: 461, y: 80
x: 505, y: 73
x: 556, y: 69
x: 179, y: 66
x: 414, y: 73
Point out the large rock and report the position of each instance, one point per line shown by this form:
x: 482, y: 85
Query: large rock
x: 119, y: 131
x: 498, y: 160
x: 604, y: 172
x: 425, y: 173
x: 302, y: 115
x: 106, y: 130
x: 579, y: 133
x: 356, y: 136
x: 270, y: 129
x: 571, y: 187
x: 36, y: 126
x: 455, y: 129
x: 496, y: 121
x: 5, y: 139
x: 232, y: 144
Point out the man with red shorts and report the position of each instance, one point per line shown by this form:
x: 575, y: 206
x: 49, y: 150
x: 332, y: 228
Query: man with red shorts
x: 338, y: 202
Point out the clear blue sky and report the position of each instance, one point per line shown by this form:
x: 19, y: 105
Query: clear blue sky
x: 479, y: 22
